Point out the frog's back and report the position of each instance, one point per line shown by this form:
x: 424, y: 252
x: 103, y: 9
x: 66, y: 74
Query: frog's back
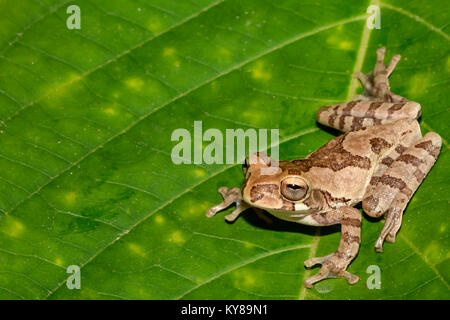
x: 344, y: 166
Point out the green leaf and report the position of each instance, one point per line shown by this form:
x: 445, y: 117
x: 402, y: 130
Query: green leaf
x: 86, y: 176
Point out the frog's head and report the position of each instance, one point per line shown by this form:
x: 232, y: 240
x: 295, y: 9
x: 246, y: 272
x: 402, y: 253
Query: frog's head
x: 283, y: 190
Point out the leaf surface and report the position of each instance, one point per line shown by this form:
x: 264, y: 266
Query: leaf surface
x: 86, y: 176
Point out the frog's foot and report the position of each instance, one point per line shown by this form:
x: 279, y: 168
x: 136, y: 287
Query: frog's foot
x: 376, y: 82
x: 367, y: 83
x: 333, y: 266
x: 391, y: 225
x: 230, y: 196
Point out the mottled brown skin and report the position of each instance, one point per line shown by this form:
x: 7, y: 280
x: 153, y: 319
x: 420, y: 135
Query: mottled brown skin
x: 380, y: 160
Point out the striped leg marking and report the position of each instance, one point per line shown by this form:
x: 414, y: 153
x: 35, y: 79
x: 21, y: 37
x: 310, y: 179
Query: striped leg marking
x: 410, y: 135
x: 419, y: 158
x: 355, y: 115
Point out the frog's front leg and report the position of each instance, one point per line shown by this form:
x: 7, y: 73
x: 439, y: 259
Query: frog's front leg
x: 334, y: 265
x: 230, y: 196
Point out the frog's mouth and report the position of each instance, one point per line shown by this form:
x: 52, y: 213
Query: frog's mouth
x: 287, y: 210
x: 293, y: 216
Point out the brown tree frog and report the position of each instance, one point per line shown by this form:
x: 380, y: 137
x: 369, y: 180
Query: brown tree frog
x: 380, y: 160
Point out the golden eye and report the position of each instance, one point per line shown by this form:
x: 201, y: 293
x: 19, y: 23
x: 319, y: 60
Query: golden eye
x: 294, y: 188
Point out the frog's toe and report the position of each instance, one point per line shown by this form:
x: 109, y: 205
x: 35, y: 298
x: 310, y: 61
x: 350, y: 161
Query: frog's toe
x: 314, y: 261
x: 379, y: 245
x: 351, y: 278
x: 326, y: 273
x: 332, y: 267
x: 230, y: 196
x: 323, y: 273
x: 241, y: 207
x: 390, y: 238
x: 309, y: 263
x: 211, y: 212
x: 223, y: 191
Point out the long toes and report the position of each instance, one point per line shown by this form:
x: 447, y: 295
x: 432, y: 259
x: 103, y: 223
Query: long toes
x: 390, y: 238
x: 234, y: 215
x: 329, y: 269
x: 379, y: 245
x: 223, y: 191
x: 396, y: 58
x: 381, y: 52
x: 359, y: 75
x: 351, y: 278
x: 219, y: 207
x: 309, y: 263
x: 318, y: 260
x: 385, y: 232
x: 322, y: 274
x: 211, y: 212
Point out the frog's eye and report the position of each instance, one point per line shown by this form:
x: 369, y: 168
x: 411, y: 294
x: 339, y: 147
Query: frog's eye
x: 294, y: 188
x: 245, y: 166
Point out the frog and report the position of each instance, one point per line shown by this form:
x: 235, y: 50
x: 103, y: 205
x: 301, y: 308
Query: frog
x: 379, y: 160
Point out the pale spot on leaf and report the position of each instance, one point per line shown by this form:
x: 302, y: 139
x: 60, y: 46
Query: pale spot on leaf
x: 418, y: 84
x: 260, y: 72
x: 244, y: 278
x: 177, y: 237
x: 155, y: 25
x: 224, y: 54
x: 110, y: 111
x: 199, y: 173
x: 254, y: 117
x: 135, y: 83
x: 137, y: 249
x: 168, y: 51
x: 13, y: 227
x: 346, y: 45
x: 70, y: 197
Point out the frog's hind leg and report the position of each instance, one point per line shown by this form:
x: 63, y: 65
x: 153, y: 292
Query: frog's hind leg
x: 354, y: 115
x: 395, y: 187
x: 376, y: 100
x: 334, y: 265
